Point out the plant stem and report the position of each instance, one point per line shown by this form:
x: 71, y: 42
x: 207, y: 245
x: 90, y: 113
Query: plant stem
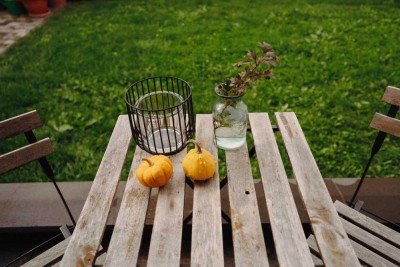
x: 198, y: 147
x: 149, y: 162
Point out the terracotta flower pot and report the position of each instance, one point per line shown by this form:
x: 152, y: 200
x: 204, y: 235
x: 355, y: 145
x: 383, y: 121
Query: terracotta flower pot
x: 57, y: 4
x: 36, y: 8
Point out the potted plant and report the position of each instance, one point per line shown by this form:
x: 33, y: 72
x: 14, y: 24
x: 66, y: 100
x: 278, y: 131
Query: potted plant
x: 57, y: 4
x: 230, y: 112
x: 36, y: 8
x: 13, y: 7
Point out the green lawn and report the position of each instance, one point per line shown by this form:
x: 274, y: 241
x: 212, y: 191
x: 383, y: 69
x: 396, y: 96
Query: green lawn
x: 337, y: 57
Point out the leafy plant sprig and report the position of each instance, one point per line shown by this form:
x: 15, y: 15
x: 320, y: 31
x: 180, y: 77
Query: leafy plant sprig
x: 254, y: 68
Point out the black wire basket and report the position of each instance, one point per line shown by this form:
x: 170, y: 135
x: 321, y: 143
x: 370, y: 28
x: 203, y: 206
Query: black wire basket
x: 160, y: 112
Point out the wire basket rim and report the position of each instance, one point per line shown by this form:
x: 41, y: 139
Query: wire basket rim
x: 155, y: 77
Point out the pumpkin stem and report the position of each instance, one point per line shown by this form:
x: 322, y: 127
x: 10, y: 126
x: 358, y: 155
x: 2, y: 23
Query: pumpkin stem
x: 149, y: 162
x: 198, y: 147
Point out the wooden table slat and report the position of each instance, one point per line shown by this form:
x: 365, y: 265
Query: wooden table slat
x: 332, y: 239
x: 165, y: 245
x: 248, y: 237
x: 207, y: 244
x: 128, y: 230
x: 89, y: 230
x: 290, y: 242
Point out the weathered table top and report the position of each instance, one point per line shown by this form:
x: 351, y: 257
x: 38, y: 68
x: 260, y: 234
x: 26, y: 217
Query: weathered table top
x: 207, y: 247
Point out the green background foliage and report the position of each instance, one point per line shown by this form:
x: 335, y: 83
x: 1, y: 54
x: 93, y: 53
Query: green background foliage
x: 337, y: 57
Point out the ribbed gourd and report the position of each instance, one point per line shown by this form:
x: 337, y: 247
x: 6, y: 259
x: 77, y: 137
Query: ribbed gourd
x: 155, y: 171
x: 199, y: 164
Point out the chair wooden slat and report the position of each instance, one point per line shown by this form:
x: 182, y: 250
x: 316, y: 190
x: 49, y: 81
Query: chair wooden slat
x: 85, y: 240
x: 392, y: 96
x: 290, y: 242
x: 332, y: 239
x: 365, y: 255
x: 166, y: 239
x: 207, y: 245
x: 125, y: 241
x: 386, y: 124
x: 24, y: 155
x: 19, y: 124
x: 367, y: 223
x: 369, y: 257
x: 317, y: 261
x: 312, y: 243
x: 99, y: 261
x: 372, y: 241
x: 248, y: 238
x: 49, y: 255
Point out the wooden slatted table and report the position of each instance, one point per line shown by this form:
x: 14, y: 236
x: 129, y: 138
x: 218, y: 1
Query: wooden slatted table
x: 207, y: 242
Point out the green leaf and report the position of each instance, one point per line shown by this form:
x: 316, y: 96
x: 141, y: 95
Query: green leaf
x: 91, y: 122
x: 64, y: 128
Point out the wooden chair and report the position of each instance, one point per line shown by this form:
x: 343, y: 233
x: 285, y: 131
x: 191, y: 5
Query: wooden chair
x: 35, y: 150
x: 374, y: 243
x: 385, y: 124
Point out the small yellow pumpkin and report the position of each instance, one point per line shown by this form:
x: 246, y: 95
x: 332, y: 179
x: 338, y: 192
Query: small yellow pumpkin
x: 199, y: 164
x: 154, y: 171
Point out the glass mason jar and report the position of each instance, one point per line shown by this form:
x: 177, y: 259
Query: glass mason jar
x: 230, y: 121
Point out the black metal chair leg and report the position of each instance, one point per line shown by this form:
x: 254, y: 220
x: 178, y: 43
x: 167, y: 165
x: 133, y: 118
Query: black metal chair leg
x: 353, y: 198
x: 65, y: 203
x: 30, y: 136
